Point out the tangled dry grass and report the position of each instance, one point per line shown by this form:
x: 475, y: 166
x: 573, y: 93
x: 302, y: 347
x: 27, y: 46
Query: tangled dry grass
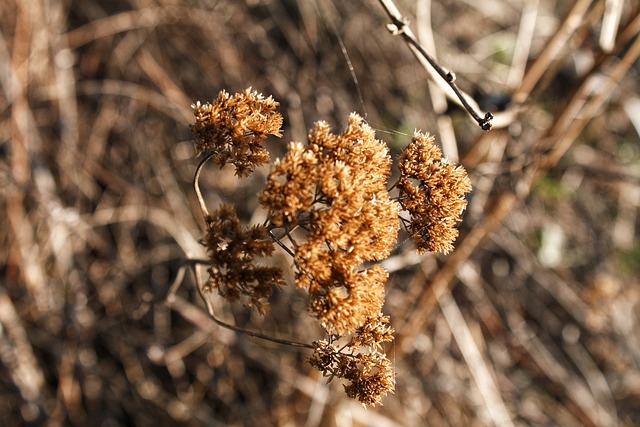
x: 531, y: 320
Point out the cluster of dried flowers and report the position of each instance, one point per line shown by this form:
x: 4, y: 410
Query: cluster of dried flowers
x: 436, y: 201
x: 361, y: 361
x: 235, y: 127
x: 334, y: 188
x: 329, y: 208
x: 234, y: 270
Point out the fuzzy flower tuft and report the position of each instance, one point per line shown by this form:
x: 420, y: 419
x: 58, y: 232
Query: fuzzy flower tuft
x: 334, y: 188
x: 360, y: 361
x: 233, y: 249
x: 235, y: 127
x: 432, y: 190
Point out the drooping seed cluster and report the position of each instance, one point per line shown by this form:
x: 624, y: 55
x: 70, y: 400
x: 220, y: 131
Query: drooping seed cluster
x: 234, y: 251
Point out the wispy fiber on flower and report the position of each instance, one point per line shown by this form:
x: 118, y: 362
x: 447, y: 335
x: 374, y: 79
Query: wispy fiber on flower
x: 432, y: 190
x: 233, y: 250
x: 334, y: 187
x: 235, y: 127
x: 360, y: 361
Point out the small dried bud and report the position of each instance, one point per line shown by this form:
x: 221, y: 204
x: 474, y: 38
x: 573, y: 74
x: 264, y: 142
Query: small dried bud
x: 360, y: 361
x: 373, y: 333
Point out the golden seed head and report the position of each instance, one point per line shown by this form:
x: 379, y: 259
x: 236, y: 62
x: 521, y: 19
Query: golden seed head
x: 433, y: 191
x: 235, y: 127
x: 335, y: 187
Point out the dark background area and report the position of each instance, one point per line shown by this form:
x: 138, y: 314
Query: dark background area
x: 536, y: 325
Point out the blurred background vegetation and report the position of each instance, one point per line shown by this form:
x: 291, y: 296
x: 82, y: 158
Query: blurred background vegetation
x: 533, y: 321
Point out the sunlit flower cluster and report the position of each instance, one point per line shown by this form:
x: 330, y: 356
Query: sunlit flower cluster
x: 433, y: 190
x: 334, y: 188
x: 235, y: 127
x: 328, y: 206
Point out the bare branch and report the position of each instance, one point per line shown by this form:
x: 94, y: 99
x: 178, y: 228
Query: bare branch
x: 399, y: 27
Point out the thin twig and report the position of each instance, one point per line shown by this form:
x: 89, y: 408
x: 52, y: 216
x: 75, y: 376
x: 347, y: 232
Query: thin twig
x: 196, y: 185
x: 524, y: 40
x: 279, y: 243
x: 400, y: 27
x: 172, y: 299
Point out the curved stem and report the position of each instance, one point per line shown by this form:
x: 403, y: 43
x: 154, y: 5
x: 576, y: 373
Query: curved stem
x: 199, y: 287
x: 196, y: 185
x: 259, y: 335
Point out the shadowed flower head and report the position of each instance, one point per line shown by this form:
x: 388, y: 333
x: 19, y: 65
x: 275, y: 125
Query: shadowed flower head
x: 334, y: 187
x: 234, y: 128
x: 233, y: 249
x: 432, y: 190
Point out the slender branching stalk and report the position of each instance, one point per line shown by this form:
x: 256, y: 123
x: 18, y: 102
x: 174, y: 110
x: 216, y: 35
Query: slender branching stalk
x: 399, y: 26
x: 196, y: 184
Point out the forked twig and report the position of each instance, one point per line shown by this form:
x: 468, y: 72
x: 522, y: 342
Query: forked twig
x: 399, y: 26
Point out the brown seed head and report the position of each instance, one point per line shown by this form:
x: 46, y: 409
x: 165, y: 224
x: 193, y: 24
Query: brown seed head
x: 235, y: 127
x: 432, y: 190
x: 334, y: 187
x: 360, y: 361
x: 233, y: 250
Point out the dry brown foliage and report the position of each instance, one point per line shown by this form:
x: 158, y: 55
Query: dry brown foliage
x: 532, y: 319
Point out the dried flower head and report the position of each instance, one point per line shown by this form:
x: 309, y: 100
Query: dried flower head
x: 432, y: 190
x: 374, y: 332
x: 235, y: 127
x: 334, y: 187
x: 345, y: 301
x: 233, y: 249
x: 360, y: 361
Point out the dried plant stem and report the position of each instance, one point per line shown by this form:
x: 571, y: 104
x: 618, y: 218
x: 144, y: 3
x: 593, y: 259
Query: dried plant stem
x: 400, y: 27
x: 282, y: 245
x: 196, y: 185
x: 173, y: 300
x: 524, y: 40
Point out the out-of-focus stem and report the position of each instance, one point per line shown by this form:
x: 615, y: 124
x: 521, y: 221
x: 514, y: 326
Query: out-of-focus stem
x: 400, y: 27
